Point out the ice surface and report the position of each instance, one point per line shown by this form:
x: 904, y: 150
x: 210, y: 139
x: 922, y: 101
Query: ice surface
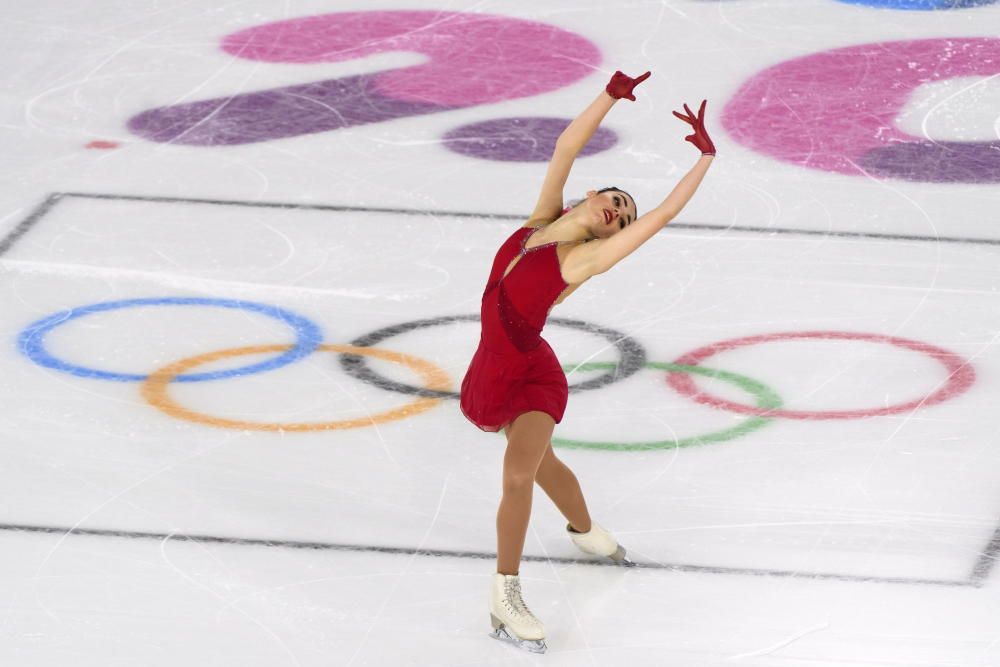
x: 136, y: 533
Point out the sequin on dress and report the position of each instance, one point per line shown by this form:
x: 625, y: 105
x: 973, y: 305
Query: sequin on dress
x: 514, y: 370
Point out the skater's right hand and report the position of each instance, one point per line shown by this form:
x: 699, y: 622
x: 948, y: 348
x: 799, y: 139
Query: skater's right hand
x: 700, y: 138
x: 622, y: 85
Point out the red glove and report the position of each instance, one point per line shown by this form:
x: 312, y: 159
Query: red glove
x: 622, y: 85
x: 700, y: 138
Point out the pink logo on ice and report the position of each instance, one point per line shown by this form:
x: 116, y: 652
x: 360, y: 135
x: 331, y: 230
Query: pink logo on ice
x: 472, y: 59
x: 836, y: 110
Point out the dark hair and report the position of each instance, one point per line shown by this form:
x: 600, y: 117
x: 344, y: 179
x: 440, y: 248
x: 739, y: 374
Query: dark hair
x: 617, y: 189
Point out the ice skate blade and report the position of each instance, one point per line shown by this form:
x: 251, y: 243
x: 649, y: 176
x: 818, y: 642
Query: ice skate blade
x: 620, y: 557
x: 532, y: 645
x: 500, y: 632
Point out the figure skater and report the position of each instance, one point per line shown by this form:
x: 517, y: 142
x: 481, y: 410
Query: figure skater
x: 515, y: 383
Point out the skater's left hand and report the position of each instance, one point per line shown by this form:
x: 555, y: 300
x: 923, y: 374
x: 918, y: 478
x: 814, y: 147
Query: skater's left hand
x: 700, y: 138
x: 622, y: 85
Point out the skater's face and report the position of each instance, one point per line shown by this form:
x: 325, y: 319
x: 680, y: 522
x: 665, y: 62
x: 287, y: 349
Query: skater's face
x: 610, y: 212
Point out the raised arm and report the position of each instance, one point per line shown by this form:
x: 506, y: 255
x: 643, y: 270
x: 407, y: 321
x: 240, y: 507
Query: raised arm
x: 599, y: 256
x: 571, y: 142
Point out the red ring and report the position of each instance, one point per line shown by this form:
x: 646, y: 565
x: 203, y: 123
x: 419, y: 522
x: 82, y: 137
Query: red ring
x: 961, y: 375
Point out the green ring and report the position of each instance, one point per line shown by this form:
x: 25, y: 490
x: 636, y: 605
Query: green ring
x: 767, y: 399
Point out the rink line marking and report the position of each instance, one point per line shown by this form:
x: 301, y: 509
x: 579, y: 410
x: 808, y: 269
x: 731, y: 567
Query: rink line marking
x: 476, y: 555
x: 509, y: 216
x: 291, y: 205
x: 22, y: 228
x: 987, y: 560
x: 54, y: 198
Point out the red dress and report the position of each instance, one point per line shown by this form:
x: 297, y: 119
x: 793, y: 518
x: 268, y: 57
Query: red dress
x: 514, y: 370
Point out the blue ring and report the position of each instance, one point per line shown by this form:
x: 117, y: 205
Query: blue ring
x: 921, y: 5
x: 31, y: 341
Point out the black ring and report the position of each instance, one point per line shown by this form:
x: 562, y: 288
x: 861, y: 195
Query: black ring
x: 632, y: 355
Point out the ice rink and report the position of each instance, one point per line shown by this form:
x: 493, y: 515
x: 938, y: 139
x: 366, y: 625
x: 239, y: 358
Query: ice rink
x: 242, y: 247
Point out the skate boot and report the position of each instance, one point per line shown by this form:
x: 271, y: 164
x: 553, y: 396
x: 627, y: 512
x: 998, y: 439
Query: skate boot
x: 600, y: 543
x: 512, y: 620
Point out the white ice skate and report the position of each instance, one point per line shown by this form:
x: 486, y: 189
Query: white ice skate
x: 512, y: 620
x: 599, y: 542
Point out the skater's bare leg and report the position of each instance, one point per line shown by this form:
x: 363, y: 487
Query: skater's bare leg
x: 560, y: 484
x: 527, y: 439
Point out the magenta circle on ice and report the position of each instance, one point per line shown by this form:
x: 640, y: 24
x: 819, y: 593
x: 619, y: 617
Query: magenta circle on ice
x: 836, y: 110
x: 527, y: 139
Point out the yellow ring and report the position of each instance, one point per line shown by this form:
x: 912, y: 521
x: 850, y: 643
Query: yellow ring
x: 154, y: 389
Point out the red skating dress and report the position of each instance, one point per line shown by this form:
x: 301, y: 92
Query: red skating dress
x: 514, y: 370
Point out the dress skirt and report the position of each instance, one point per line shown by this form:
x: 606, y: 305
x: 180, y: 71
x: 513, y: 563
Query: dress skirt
x: 501, y: 386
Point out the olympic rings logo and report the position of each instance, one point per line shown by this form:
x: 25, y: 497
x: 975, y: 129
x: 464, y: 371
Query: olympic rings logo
x: 437, y: 385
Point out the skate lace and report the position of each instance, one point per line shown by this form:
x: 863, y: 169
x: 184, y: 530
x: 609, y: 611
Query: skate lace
x: 512, y: 593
